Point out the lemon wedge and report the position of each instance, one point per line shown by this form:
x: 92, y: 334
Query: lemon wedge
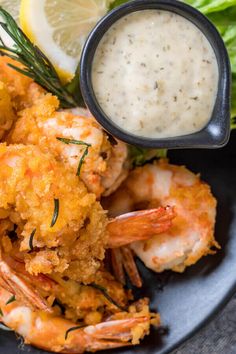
x: 13, y: 7
x: 60, y: 27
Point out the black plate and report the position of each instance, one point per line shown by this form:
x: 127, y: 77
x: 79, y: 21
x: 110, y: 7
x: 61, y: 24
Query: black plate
x: 187, y: 301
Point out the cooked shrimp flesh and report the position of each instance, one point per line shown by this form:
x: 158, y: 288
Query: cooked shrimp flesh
x: 105, y: 165
x: 191, y: 235
x: 54, y: 333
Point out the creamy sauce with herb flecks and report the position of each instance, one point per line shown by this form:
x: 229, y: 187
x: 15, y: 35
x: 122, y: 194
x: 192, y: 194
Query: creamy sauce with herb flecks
x: 155, y: 75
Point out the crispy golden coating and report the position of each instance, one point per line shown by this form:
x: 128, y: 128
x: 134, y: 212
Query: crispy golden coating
x: 30, y: 182
x: 104, y: 167
x: 7, y: 116
x: 23, y: 90
x: 55, y: 333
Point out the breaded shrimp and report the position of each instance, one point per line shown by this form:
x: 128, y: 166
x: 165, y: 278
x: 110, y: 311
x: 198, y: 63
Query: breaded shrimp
x: 90, y: 303
x: 191, y: 235
x: 60, y: 226
x: 35, y: 189
x: 55, y: 302
x: 105, y: 166
x: 23, y: 90
x: 7, y: 116
x: 55, y: 333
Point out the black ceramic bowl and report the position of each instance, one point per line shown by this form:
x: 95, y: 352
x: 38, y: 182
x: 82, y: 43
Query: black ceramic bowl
x: 216, y: 133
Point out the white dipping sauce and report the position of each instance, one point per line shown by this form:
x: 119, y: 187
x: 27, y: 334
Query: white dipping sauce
x: 155, y: 75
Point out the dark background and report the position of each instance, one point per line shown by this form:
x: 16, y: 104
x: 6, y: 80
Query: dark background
x: 217, y: 338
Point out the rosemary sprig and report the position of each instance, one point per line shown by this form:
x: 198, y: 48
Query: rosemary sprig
x: 73, y: 329
x: 35, y: 64
x: 82, y: 160
x: 107, y: 296
x: 31, y: 240
x: 55, y: 213
x: 11, y: 299
x: 77, y: 142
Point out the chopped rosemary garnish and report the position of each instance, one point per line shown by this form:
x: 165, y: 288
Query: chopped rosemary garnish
x: 73, y: 141
x: 12, y: 299
x: 82, y: 160
x: 107, y: 296
x: 5, y: 328
x: 1, y: 313
x: 77, y: 142
x: 31, y: 239
x: 35, y: 64
x: 55, y: 213
x: 73, y: 329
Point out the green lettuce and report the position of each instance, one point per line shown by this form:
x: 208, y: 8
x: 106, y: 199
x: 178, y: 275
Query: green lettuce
x: 116, y: 3
x: 210, y: 6
x: 140, y: 157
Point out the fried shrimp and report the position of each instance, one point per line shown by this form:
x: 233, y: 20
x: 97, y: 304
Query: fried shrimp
x: 7, y: 116
x: 54, y: 333
x: 22, y: 90
x: 74, y: 316
x: 191, y: 235
x: 67, y: 136
x: 60, y: 226
x: 54, y: 289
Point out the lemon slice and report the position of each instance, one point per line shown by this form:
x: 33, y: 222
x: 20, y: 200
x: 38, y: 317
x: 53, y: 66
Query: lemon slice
x: 60, y: 27
x: 13, y: 7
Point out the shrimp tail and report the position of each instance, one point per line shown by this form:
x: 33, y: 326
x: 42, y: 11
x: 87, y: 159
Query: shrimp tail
x: 17, y: 286
x: 112, y: 334
x: 122, y: 259
x: 57, y: 334
x: 139, y: 225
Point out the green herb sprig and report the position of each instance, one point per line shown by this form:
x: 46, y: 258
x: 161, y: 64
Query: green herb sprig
x: 77, y: 142
x: 11, y: 299
x: 36, y: 65
x: 31, y: 240
x: 55, y: 213
x: 107, y: 296
x: 73, y: 329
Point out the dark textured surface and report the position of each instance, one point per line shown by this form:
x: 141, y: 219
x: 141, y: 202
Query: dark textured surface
x: 187, y: 301
x: 217, y: 338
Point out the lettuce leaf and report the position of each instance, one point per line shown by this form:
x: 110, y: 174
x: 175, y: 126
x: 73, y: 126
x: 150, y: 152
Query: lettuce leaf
x: 116, y: 3
x: 140, y: 157
x: 210, y: 6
